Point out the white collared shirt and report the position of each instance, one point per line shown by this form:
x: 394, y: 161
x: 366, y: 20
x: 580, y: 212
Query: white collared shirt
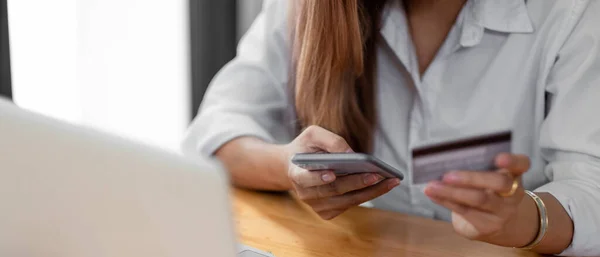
x: 533, y: 68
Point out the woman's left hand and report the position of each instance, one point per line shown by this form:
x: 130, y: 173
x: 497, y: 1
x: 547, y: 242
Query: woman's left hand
x: 482, y: 203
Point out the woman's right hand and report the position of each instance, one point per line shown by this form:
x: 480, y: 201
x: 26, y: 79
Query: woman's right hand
x: 328, y: 195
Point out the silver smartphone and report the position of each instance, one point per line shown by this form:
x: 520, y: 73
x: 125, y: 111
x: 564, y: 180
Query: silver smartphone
x: 345, y: 164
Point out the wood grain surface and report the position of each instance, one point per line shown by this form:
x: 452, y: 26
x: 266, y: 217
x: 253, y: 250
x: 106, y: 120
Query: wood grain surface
x: 279, y: 224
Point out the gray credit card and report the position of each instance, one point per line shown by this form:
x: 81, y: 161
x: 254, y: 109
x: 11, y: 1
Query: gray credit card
x: 473, y: 154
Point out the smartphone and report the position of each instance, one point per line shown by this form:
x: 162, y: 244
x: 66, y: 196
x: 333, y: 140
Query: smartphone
x: 345, y: 164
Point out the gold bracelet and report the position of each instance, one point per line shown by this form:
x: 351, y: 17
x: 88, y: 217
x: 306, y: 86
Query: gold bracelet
x: 543, y: 213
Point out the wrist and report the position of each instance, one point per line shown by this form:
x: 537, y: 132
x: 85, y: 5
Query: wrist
x: 284, y: 156
x: 528, y: 221
x: 543, y: 221
x: 522, y: 228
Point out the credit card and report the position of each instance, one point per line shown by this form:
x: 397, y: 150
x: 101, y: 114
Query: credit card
x: 472, y: 154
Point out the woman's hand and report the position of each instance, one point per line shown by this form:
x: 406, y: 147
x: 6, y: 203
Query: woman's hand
x: 479, y: 211
x: 328, y: 195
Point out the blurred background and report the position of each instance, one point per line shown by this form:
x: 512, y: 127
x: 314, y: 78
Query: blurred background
x: 119, y: 65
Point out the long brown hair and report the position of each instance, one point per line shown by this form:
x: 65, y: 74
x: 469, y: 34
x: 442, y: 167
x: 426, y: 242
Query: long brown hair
x: 334, y: 61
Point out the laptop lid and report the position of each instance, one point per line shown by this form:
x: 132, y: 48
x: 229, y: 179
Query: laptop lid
x: 68, y: 191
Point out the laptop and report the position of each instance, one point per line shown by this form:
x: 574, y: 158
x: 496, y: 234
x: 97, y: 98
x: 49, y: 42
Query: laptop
x: 67, y: 191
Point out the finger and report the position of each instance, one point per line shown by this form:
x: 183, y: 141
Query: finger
x: 322, y: 139
x: 516, y: 164
x: 302, y: 178
x: 474, y: 198
x: 452, y: 206
x: 354, y: 198
x: 484, y: 223
x: 495, y: 181
x: 329, y: 215
x: 341, y: 186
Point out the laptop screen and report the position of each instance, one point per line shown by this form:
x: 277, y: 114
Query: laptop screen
x: 5, y: 74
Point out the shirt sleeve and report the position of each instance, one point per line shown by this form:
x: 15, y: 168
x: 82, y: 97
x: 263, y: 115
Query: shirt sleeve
x: 249, y: 96
x: 570, y: 135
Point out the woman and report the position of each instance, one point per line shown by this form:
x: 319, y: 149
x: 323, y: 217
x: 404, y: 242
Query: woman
x: 384, y: 76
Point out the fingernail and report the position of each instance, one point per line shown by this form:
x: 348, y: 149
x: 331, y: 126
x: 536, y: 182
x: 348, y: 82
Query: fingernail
x: 432, y: 188
x: 369, y: 179
x: 394, y: 183
x: 349, y: 151
x: 503, y: 159
x: 328, y: 177
x: 435, y: 185
x: 452, y: 177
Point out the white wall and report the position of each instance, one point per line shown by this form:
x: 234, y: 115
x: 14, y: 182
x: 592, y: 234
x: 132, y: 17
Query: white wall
x: 117, y: 65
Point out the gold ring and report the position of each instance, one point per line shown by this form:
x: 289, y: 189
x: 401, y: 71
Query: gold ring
x: 513, y: 189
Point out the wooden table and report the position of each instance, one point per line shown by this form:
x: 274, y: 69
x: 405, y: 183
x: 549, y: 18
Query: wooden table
x: 279, y: 224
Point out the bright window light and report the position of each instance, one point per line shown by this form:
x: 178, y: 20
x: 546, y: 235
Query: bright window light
x: 116, y: 65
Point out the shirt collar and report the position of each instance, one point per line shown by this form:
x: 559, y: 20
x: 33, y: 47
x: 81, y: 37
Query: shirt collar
x: 506, y: 16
